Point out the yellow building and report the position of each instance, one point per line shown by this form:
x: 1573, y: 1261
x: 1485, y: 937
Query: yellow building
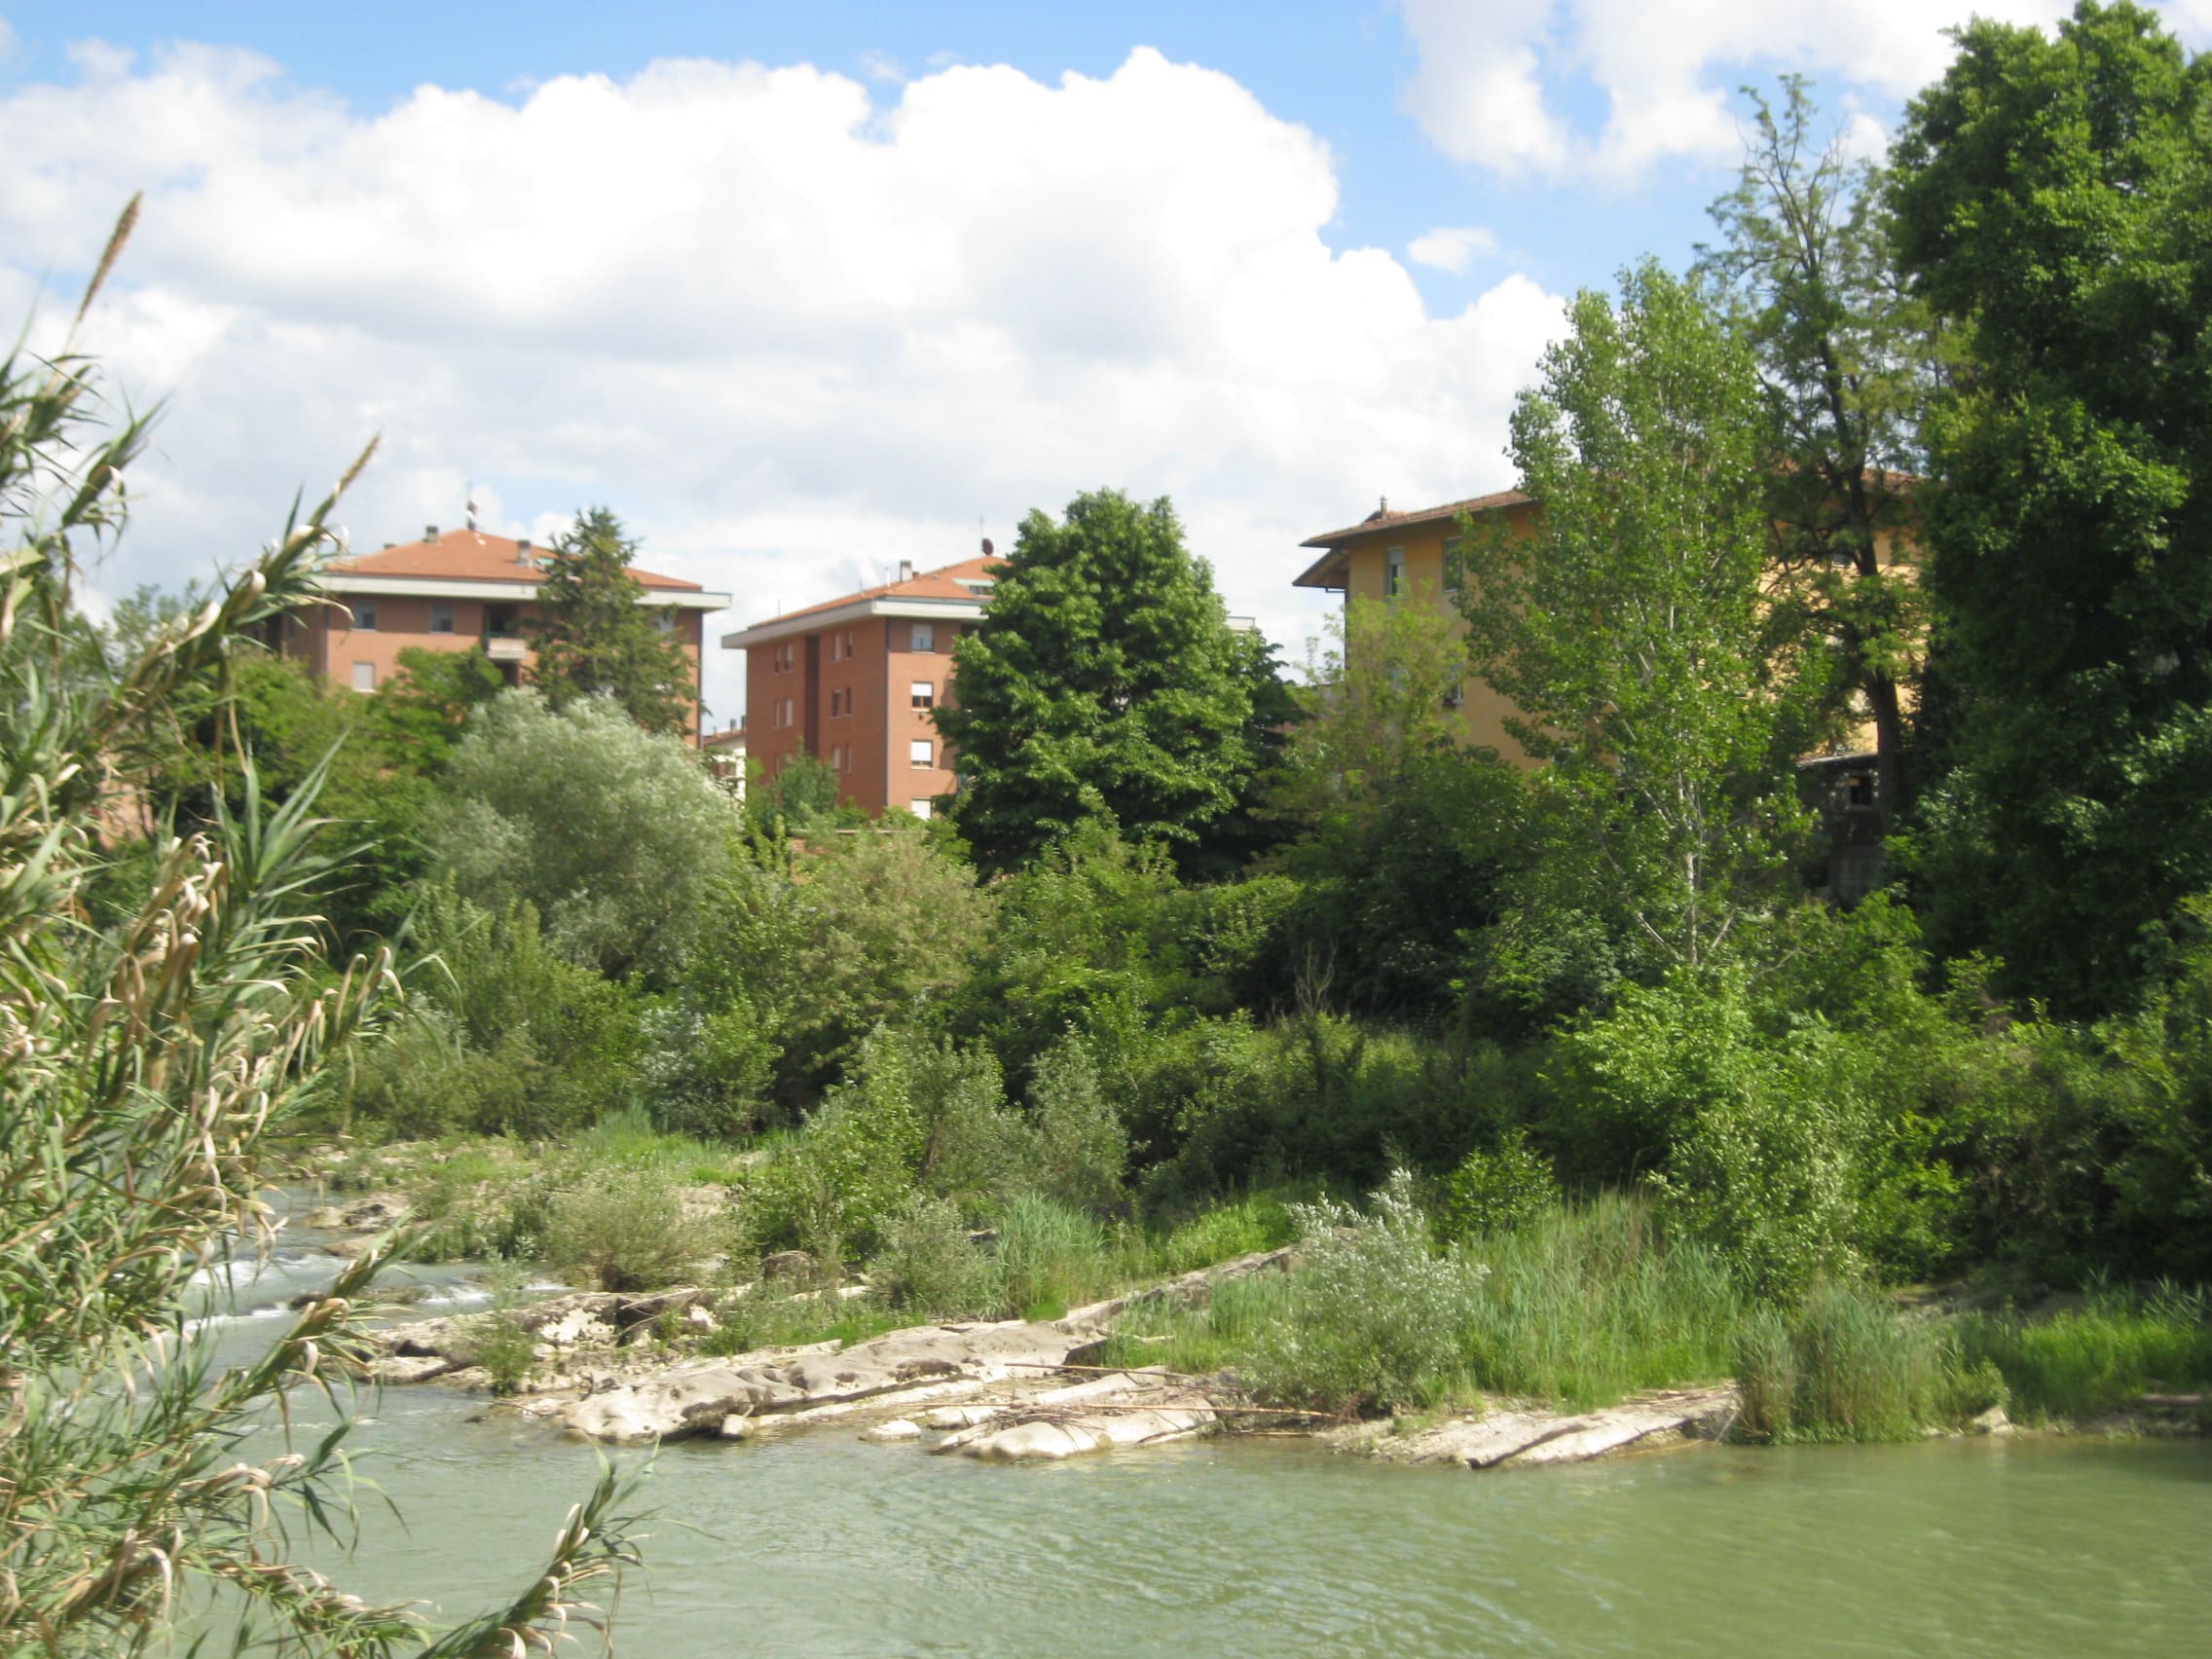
x: 1389, y: 554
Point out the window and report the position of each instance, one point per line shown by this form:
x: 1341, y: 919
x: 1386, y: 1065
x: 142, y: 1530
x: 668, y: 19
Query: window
x: 365, y: 619
x: 664, y: 619
x: 923, y: 636
x: 841, y: 758
x: 921, y: 808
x: 836, y: 647
x: 1454, y: 565
x: 924, y: 694
x: 441, y: 619
x: 1393, y: 572
x: 364, y: 677
x: 790, y: 710
x: 922, y: 752
x: 499, y: 621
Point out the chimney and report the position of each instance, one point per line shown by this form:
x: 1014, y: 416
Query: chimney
x: 522, y: 551
x: 905, y: 570
x: 429, y: 532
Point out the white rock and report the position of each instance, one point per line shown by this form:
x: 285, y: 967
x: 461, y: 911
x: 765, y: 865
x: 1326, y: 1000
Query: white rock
x: 899, y: 1428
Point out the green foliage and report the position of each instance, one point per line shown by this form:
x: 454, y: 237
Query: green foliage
x: 882, y: 925
x: 1374, y: 1310
x: 504, y: 1349
x: 2050, y: 203
x: 1238, y: 1227
x: 1103, y: 684
x: 506, y: 1036
x: 802, y: 798
x: 1083, y: 1149
x: 1846, y: 1365
x: 1630, y: 629
x: 148, y: 1060
x: 1051, y: 1257
x: 1497, y: 1189
x: 422, y: 711
x: 595, y: 637
x: 1847, y: 359
x: 1376, y: 701
x: 625, y: 1230
x: 931, y: 1267
x: 616, y: 838
x: 2081, y: 1363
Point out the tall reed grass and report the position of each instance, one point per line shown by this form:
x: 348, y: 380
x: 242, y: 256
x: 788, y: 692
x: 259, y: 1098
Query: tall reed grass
x: 2086, y: 1362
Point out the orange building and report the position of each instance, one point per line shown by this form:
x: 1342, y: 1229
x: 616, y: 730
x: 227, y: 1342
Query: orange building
x: 857, y: 682
x: 1387, y: 554
x: 461, y: 591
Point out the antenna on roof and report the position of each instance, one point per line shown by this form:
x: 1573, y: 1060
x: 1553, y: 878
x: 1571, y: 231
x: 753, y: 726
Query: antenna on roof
x: 470, y: 504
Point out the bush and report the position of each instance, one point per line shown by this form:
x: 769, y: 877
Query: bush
x: 929, y: 1264
x: 1374, y: 1312
x: 1495, y: 1190
x: 626, y: 1229
x: 1081, y: 1149
x: 1239, y: 1227
x: 616, y: 838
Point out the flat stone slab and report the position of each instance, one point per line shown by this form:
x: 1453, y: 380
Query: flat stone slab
x: 1532, y: 1438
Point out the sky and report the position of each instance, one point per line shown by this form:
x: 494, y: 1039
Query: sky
x: 803, y: 291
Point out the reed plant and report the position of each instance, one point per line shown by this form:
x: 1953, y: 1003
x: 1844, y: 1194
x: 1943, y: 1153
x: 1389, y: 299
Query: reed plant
x: 146, y: 1060
x: 2085, y: 1362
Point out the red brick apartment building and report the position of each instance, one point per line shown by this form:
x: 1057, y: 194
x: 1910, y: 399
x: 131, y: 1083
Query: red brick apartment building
x: 857, y: 682
x: 461, y: 591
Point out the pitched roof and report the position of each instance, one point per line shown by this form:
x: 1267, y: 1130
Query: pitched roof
x: 947, y: 583
x: 1382, y: 518
x: 472, y: 556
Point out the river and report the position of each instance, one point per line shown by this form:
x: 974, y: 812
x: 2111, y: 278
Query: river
x: 820, y: 1546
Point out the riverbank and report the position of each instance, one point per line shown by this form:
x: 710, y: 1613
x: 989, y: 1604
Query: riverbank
x: 1568, y: 1311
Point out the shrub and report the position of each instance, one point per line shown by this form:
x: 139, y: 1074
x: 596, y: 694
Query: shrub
x: 831, y: 1188
x: 626, y: 1229
x: 504, y: 1349
x: 1497, y: 1190
x: 616, y: 838
x: 1081, y: 1147
x: 930, y: 1265
x: 1374, y: 1312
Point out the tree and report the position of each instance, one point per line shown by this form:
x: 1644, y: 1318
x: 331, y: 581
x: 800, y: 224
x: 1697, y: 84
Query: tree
x: 1103, y: 683
x: 1845, y: 358
x: 2052, y: 202
x: 594, y: 636
x: 1630, y: 629
x: 615, y: 835
x: 146, y: 1065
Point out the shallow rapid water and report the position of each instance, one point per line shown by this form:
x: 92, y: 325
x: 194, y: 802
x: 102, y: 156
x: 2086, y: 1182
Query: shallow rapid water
x: 822, y: 1545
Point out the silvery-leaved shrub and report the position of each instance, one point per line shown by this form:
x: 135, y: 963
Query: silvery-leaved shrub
x: 1376, y: 1310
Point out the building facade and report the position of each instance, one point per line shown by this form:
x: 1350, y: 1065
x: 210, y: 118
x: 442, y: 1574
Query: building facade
x: 857, y: 682
x: 459, y: 591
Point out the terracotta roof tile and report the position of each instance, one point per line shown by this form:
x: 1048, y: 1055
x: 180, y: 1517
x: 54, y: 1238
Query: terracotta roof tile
x: 472, y: 556
x: 1383, y: 519
x: 946, y: 584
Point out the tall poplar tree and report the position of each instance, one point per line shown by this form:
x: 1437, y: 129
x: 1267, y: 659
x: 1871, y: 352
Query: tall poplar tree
x: 2054, y: 199
x: 1105, y: 682
x: 594, y: 636
x: 1631, y: 630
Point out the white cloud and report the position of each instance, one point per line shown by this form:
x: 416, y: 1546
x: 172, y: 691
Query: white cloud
x: 790, y: 335
x: 1498, y: 77
x: 881, y: 66
x: 1451, y: 248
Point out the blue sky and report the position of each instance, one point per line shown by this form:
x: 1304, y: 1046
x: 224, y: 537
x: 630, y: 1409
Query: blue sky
x: 805, y: 290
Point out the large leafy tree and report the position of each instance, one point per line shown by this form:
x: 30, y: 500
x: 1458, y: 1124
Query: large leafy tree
x: 1846, y: 359
x: 2051, y: 196
x: 1632, y: 631
x: 595, y: 637
x: 1104, y: 682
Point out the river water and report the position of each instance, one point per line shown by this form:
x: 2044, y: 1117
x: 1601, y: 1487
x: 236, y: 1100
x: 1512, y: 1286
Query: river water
x: 822, y: 1545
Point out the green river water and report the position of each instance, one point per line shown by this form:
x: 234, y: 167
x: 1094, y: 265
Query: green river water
x: 822, y: 1545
